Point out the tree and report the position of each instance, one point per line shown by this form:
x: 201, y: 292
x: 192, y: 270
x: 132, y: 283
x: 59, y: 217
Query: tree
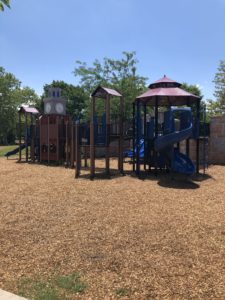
x: 4, y: 3
x: 195, y: 90
x: 192, y: 88
x: 75, y: 96
x: 219, y: 80
x: 118, y: 74
x: 11, y: 97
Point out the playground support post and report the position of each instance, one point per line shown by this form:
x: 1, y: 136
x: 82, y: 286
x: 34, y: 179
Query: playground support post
x: 33, y: 137
x: 48, y: 141
x: 78, y: 156
x: 40, y: 136
x: 72, y: 146
x: 92, y: 142
x: 26, y: 136
x: 120, y: 159
x: 138, y: 139
x: 67, y: 148
x: 204, y: 138
x: 58, y: 131
x: 197, y: 141
x: 107, y: 111
x: 145, y: 136
x: 187, y: 150
x: 20, y: 156
x: 134, y: 130
x: 156, y: 133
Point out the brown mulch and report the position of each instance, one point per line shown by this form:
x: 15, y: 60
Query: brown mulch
x: 157, y: 238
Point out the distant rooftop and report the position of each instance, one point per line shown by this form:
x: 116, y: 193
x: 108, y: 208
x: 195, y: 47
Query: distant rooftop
x: 28, y: 109
x: 102, y: 92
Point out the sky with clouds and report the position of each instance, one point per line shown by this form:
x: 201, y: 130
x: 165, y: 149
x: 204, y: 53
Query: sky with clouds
x: 40, y: 41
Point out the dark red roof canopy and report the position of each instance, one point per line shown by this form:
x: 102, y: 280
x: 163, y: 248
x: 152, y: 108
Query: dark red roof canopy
x: 102, y: 92
x: 167, y: 92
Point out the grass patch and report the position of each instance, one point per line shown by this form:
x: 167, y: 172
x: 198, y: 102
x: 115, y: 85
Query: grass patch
x: 54, y: 288
x: 120, y: 292
x: 4, y: 149
x: 71, y: 283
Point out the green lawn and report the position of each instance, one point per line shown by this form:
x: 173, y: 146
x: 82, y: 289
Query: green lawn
x: 4, y: 149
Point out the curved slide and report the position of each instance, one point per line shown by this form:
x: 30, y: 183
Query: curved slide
x: 180, y: 162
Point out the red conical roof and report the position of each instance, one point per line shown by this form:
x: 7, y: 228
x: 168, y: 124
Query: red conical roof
x: 164, y: 82
x: 166, y: 91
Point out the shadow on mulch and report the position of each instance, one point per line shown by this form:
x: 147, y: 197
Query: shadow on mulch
x: 201, y: 177
x: 175, y: 181
x: 178, y: 183
x: 101, y: 175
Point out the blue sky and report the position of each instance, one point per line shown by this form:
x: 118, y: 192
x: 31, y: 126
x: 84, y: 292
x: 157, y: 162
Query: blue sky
x: 40, y: 41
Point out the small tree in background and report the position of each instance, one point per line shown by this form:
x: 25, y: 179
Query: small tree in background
x: 11, y: 97
x: 118, y: 74
x: 219, y: 80
x: 4, y: 3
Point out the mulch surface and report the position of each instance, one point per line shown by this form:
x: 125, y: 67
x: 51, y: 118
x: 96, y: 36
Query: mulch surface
x: 157, y: 238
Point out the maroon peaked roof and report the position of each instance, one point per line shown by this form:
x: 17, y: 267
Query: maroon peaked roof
x: 166, y: 92
x: 102, y: 92
x: 164, y: 82
x: 30, y: 110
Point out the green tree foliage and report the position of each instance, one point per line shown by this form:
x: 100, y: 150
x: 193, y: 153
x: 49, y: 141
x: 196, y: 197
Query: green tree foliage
x: 11, y: 97
x: 218, y: 106
x: 4, y: 3
x: 118, y: 74
x: 192, y: 88
x: 195, y: 90
x: 75, y: 96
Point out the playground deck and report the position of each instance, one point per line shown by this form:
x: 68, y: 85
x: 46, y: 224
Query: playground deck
x: 153, y: 238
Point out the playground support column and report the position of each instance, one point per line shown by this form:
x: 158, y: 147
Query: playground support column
x: 20, y: 156
x: 40, y: 136
x: 48, y: 140
x: 156, y: 133
x: 107, y: 111
x: 187, y: 147
x: 134, y: 129
x: 188, y: 140
x: 197, y: 141
x: 57, y: 146
x: 92, y: 142
x: 204, y: 138
x: 138, y: 139
x: 26, y: 136
x: 33, y: 137
x: 78, y: 157
x: 120, y: 160
x: 67, y: 154
x: 145, y: 136
x: 72, y: 146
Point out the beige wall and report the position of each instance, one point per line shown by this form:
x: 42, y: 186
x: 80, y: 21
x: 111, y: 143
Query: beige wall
x: 217, y: 140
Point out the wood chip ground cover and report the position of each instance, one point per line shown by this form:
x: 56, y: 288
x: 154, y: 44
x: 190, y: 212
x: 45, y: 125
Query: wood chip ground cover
x: 127, y: 238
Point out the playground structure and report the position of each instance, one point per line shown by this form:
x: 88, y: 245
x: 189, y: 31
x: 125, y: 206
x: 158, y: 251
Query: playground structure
x: 163, y: 117
x: 153, y: 145
x: 30, y: 114
x: 100, y: 138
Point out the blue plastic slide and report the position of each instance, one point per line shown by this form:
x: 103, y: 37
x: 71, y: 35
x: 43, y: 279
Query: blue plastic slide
x: 13, y: 152
x: 179, y: 162
x: 141, y: 150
